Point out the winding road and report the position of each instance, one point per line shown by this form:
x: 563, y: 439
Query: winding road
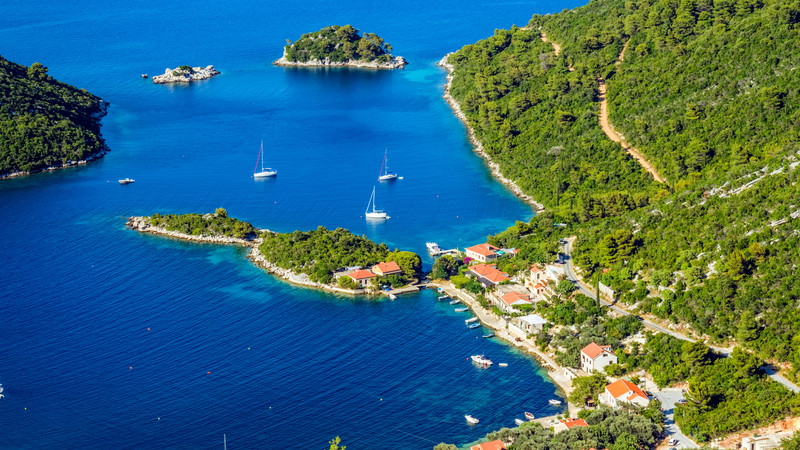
x: 569, y: 270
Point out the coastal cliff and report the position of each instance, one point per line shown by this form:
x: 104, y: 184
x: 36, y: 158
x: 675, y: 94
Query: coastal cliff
x: 185, y: 74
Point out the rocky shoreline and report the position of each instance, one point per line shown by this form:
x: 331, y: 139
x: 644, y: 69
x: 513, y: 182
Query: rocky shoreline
x: 398, y: 62
x: 66, y: 165
x: 478, y: 147
x: 183, y: 75
x: 142, y: 224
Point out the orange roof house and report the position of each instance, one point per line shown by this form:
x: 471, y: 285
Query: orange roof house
x: 511, y: 299
x: 595, y: 357
x: 493, y: 445
x: 488, y: 274
x: 482, y: 252
x: 386, y: 268
x: 623, y: 391
x: 566, y: 424
x: 361, y: 276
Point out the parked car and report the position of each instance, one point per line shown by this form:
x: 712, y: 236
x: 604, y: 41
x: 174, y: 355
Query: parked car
x: 673, y: 441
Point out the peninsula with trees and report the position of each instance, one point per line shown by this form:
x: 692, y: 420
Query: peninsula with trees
x: 340, y: 46
x: 45, y: 124
x: 333, y: 260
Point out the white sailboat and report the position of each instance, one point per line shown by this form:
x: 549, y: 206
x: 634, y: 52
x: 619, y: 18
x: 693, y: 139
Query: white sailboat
x: 385, y: 175
x: 265, y: 172
x: 375, y: 213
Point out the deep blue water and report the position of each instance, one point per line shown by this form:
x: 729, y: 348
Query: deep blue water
x: 288, y: 366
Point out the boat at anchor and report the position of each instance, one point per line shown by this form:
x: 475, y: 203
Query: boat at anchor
x: 481, y: 360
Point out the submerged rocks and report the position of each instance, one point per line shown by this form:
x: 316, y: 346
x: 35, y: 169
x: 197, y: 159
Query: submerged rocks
x: 185, y: 74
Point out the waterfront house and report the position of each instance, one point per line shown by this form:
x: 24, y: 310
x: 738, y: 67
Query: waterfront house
x: 510, y: 300
x: 387, y: 268
x: 482, y: 252
x: 566, y: 424
x: 487, y: 274
x: 531, y: 324
x: 492, y: 445
x: 623, y: 391
x: 362, y: 277
x: 595, y: 357
x: 765, y: 442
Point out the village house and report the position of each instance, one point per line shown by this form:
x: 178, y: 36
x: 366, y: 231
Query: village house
x: 491, y: 445
x: 487, y: 274
x: 623, y: 391
x: 539, y: 283
x: 595, y: 357
x: 510, y: 300
x: 530, y: 324
x: 482, y: 252
x: 387, y: 268
x: 362, y: 277
x: 566, y: 424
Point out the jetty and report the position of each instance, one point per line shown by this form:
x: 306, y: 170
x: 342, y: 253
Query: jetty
x: 435, y: 250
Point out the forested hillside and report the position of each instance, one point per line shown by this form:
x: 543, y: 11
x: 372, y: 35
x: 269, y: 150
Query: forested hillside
x: 707, y: 91
x: 44, y: 122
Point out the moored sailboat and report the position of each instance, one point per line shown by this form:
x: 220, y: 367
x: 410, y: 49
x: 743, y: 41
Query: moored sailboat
x: 385, y: 175
x: 265, y: 172
x: 375, y: 213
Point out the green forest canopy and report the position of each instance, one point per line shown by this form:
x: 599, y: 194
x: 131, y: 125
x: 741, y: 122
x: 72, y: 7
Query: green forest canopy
x: 44, y: 122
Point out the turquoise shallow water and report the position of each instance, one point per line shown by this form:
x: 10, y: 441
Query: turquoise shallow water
x: 288, y: 366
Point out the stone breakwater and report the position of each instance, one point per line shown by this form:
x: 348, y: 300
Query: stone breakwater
x: 179, y: 75
x: 493, y: 166
x: 398, y: 62
x: 144, y: 225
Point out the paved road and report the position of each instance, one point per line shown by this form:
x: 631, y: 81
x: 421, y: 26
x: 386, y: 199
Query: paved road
x: 566, y: 244
x: 668, y: 399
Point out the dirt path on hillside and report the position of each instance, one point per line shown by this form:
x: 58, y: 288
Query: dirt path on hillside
x: 556, y: 48
x: 608, y: 129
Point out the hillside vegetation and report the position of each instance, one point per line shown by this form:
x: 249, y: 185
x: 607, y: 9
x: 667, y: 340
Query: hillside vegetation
x: 44, y: 122
x: 339, y: 44
x: 708, y: 92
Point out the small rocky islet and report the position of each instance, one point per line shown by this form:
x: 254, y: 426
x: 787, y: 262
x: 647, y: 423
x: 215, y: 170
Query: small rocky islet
x: 186, y: 74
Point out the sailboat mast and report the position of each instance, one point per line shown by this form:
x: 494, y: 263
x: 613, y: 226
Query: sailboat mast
x: 261, y: 154
x: 255, y: 169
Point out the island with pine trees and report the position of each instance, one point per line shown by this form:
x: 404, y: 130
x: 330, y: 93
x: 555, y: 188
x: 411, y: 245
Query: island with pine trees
x: 337, y: 46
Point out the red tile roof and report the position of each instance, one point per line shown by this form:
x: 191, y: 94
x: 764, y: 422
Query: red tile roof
x: 625, y: 388
x: 574, y: 423
x: 489, y: 272
x: 483, y: 249
x: 536, y: 268
x: 387, y: 267
x: 493, y: 445
x: 593, y: 350
x: 360, y: 274
x: 512, y: 297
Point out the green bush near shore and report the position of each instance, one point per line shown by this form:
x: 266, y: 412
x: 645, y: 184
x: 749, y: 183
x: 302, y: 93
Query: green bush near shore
x: 320, y: 252
x: 218, y: 224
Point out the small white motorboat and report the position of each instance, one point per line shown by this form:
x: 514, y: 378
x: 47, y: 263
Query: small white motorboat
x: 481, y: 360
x: 519, y: 421
x: 529, y: 416
x: 554, y: 402
x: 471, y: 420
x: 461, y: 309
x: 503, y: 364
x: 126, y: 181
x: 471, y: 320
x: 473, y: 326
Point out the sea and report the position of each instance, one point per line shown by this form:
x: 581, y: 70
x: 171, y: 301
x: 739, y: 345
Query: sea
x: 114, y: 339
